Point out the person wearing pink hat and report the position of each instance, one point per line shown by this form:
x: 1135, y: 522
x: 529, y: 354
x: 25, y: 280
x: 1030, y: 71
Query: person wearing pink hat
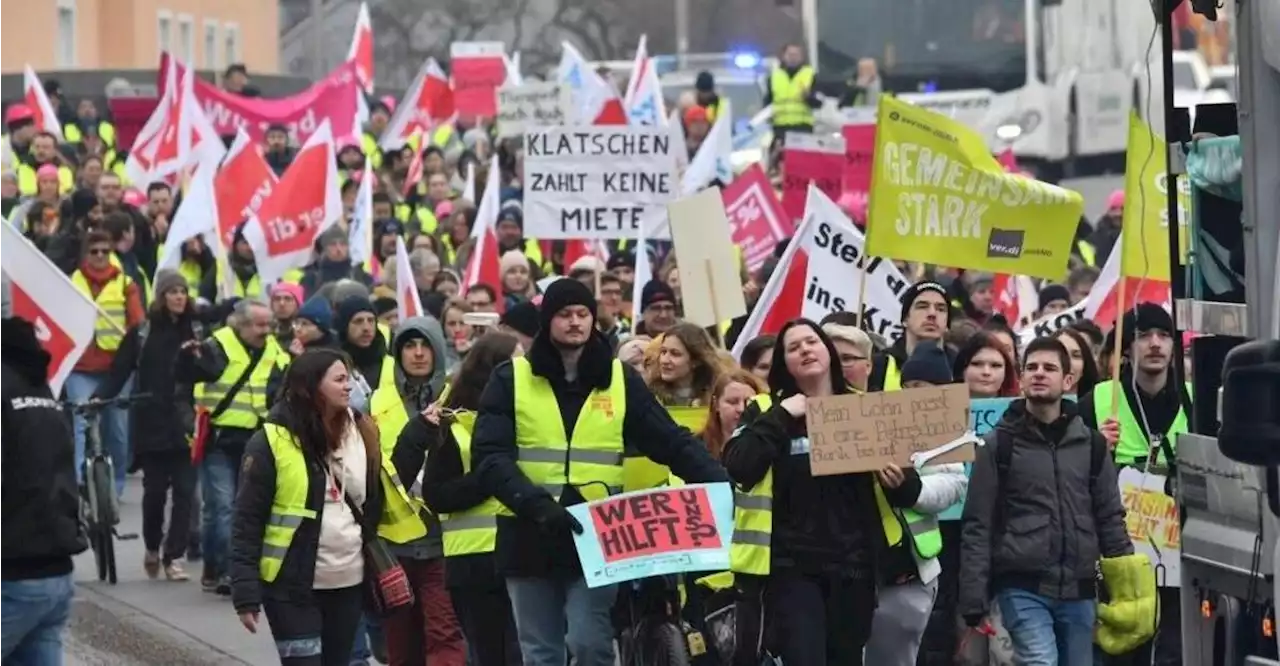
x: 20, y: 124
x: 286, y: 299
x: 47, y: 186
x: 1106, y: 231
x: 43, y: 152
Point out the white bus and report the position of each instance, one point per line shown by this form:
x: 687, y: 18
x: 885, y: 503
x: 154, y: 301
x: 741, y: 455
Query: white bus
x: 1052, y: 80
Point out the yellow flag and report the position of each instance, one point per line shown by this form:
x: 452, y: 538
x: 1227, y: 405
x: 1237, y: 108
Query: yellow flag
x: 938, y: 196
x: 1146, y: 206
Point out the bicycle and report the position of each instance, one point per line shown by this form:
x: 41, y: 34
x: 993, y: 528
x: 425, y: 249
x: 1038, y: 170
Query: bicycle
x: 100, y: 507
x: 652, y: 633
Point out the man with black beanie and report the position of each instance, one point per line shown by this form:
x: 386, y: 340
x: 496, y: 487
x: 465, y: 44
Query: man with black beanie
x: 567, y: 386
x: 356, y: 322
x: 657, y: 308
x: 925, y: 316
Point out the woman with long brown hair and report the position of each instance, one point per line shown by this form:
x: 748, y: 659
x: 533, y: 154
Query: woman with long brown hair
x: 310, y: 497
x: 733, y: 391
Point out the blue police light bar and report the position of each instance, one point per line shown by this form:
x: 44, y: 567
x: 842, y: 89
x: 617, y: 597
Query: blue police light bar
x: 746, y: 60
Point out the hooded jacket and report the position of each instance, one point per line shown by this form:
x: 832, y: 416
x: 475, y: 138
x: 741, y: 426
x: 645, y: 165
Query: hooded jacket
x: 41, y: 502
x: 418, y: 436
x: 1044, y: 523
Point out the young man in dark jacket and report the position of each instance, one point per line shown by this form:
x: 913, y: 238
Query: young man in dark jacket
x: 1043, y: 507
x: 570, y: 364
x: 41, y: 505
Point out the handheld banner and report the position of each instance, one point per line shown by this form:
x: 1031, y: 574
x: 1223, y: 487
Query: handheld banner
x: 655, y: 533
x: 1146, y: 211
x: 939, y: 197
x: 755, y: 216
x: 806, y: 159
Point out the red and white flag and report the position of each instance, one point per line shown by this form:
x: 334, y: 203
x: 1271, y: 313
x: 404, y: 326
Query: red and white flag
x: 303, y: 206
x: 594, y: 100
x: 1016, y: 299
x: 361, y: 53
x: 577, y: 248
x: 176, y: 135
x: 196, y: 215
x: 643, y: 102
x: 360, y: 228
x: 64, y: 318
x: 820, y: 274
x: 483, y: 265
x: 408, y: 303
x: 243, y: 183
x: 426, y: 105
x: 416, y: 168
x: 36, y: 99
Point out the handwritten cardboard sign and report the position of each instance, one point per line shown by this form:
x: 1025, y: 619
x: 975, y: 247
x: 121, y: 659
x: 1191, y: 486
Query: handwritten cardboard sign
x: 1151, y: 518
x: 861, y: 433
x: 655, y: 532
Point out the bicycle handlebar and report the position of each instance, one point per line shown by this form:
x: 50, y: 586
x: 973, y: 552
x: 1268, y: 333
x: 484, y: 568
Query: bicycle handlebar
x: 99, y: 405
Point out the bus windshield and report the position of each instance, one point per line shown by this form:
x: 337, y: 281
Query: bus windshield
x: 926, y: 45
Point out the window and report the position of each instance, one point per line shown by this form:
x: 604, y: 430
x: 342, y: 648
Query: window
x: 231, y: 37
x: 186, y: 39
x: 65, y: 50
x: 164, y: 32
x: 211, y: 45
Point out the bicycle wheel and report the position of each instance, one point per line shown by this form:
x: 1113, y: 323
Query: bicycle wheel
x: 109, y: 554
x: 665, y: 646
x: 98, y: 542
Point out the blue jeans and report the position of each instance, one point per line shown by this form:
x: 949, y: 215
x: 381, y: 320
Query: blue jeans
x: 1048, y: 632
x: 35, y: 612
x: 113, y: 425
x: 367, y: 634
x: 219, y: 474
x: 555, y: 616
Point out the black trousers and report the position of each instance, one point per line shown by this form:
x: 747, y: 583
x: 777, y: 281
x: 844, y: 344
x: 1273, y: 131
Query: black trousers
x: 165, y: 472
x: 488, y: 625
x: 319, y: 633
x: 819, y: 620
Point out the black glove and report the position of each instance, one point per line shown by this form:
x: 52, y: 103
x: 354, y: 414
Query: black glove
x: 973, y: 620
x: 555, y: 519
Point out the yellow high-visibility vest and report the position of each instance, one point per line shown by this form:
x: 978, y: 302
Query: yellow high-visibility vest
x: 592, y: 461
x: 27, y: 179
x: 106, y: 131
x: 113, y: 309
x: 249, y: 405
x: 790, y: 107
x: 640, y: 473
x: 400, y: 522
x: 288, y: 504
x: 473, y: 531
x: 749, y: 552
x: 1133, y: 444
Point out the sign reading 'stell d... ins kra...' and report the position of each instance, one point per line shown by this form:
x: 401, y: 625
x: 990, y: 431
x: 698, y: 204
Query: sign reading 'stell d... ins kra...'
x: 861, y: 433
x: 598, y: 181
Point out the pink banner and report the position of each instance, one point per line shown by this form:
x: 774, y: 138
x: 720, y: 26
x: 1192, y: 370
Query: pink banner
x: 335, y: 98
x: 859, y: 149
x: 756, y: 219
x: 801, y: 167
x: 475, y: 84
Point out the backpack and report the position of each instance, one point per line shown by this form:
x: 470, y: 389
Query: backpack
x: 1004, y: 457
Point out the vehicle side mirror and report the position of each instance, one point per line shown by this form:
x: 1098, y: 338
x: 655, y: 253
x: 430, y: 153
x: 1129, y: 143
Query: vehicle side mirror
x: 1250, y: 430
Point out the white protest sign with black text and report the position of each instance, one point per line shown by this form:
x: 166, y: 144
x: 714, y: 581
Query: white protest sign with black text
x: 524, y: 107
x: 819, y: 274
x: 598, y: 181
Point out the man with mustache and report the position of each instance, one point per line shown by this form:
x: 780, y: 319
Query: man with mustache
x: 1153, y: 409
x: 925, y: 316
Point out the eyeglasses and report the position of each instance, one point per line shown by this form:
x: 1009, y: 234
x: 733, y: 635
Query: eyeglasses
x: 99, y: 252
x: 847, y: 360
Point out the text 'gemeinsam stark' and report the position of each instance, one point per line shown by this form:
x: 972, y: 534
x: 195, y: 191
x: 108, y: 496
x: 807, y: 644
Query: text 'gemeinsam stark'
x: 945, y: 197
x: 560, y: 143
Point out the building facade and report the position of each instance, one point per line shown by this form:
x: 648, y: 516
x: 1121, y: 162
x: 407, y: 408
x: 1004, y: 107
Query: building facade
x: 130, y: 34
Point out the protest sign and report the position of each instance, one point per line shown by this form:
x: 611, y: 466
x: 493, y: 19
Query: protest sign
x: 335, y: 98
x: 598, y: 181
x: 1151, y: 518
x: 938, y: 196
x: 710, y: 281
x: 865, y: 432
x: 756, y: 219
x: 859, y: 154
x: 478, y: 69
x: 820, y: 272
x: 521, y: 108
x: 655, y: 533
x: 1146, y: 210
x: 810, y: 158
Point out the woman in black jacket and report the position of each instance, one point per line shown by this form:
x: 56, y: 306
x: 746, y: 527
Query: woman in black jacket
x: 820, y: 594
x: 449, y: 486
x: 302, y: 560
x: 161, y: 424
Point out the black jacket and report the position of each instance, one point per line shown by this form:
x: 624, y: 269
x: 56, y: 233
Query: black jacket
x: 523, y: 549
x: 162, y: 422
x: 826, y: 524
x: 1043, y: 526
x: 252, y: 509
x: 41, y: 503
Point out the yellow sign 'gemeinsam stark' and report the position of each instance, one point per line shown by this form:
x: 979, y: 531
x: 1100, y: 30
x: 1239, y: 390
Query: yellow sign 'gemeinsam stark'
x: 938, y: 196
x: 1146, y: 206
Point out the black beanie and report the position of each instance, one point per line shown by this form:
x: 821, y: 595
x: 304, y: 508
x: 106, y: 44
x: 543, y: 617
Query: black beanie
x: 348, y: 309
x: 1145, y: 317
x: 656, y: 291
x: 913, y: 292
x: 1054, y: 292
x: 522, y: 318
x: 384, y: 304
x: 562, y: 294
x: 928, y: 363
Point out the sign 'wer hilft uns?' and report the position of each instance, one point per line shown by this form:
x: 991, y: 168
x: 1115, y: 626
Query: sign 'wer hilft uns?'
x: 861, y: 433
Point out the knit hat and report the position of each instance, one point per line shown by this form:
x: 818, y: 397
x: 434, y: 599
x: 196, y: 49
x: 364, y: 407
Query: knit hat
x: 928, y: 363
x: 349, y: 307
x: 47, y: 171
x: 1053, y: 292
x: 168, y: 279
x: 656, y: 291
x: 388, y: 227
x: 522, y: 318
x: 344, y: 289
x: 1145, y: 317
x: 589, y: 262
x: 511, y: 210
x: 704, y: 82
x: 332, y: 236
x: 695, y: 114
x: 318, y: 312
x: 289, y: 288
x: 82, y: 201
x: 384, y: 305
x: 1115, y: 199
x: 511, y: 259
x: 444, y: 209
x: 562, y: 294
x: 913, y: 292
x: 619, y: 259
